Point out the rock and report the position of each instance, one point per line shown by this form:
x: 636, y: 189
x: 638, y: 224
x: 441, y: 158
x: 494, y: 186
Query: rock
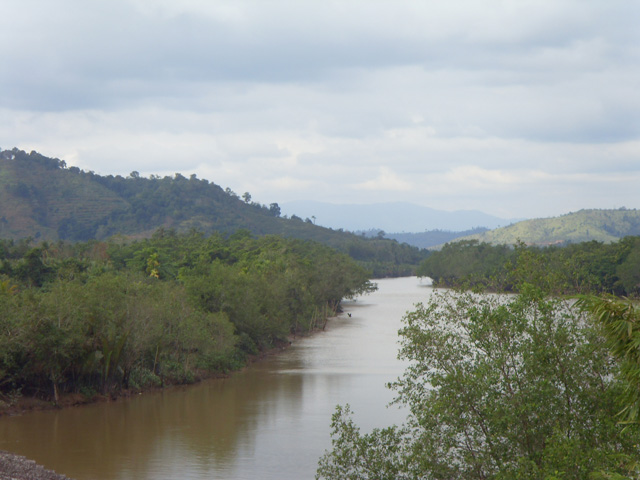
x: 15, y: 467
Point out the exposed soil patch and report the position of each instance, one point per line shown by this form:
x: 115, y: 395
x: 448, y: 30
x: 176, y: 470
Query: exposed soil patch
x: 26, y: 404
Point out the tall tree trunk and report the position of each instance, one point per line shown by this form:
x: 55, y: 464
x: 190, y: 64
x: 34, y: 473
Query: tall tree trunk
x: 56, y: 397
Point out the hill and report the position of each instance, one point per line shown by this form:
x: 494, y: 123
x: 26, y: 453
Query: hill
x: 428, y: 239
x: 392, y: 217
x: 582, y: 226
x: 42, y: 198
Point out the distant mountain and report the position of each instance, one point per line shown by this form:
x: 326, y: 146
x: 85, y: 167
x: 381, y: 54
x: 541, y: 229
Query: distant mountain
x: 432, y: 238
x: 585, y: 225
x: 391, y: 217
x: 42, y: 198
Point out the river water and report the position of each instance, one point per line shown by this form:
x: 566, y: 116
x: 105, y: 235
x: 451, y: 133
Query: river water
x: 271, y: 421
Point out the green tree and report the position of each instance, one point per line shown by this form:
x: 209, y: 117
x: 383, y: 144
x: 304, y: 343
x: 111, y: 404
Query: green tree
x: 274, y: 209
x: 628, y: 271
x: 168, y: 309
x: 619, y: 320
x: 31, y: 269
x: 466, y: 262
x: 498, y: 387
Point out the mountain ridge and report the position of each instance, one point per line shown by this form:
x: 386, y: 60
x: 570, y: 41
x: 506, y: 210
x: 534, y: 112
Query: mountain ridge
x: 44, y: 200
x: 41, y: 198
x: 397, y: 217
x: 601, y: 225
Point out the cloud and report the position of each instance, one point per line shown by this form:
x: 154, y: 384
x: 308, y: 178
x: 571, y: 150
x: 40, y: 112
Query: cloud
x: 386, y: 180
x: 505, y: 105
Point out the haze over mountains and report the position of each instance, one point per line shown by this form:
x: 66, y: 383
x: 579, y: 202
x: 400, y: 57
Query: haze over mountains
x: 392, y: 217
x: 42, y: 198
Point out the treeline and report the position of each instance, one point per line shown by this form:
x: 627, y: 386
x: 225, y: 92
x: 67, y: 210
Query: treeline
x: 97, y: 317
x: 588, y: 267
x: 151, y: 201
x: 43, y: 198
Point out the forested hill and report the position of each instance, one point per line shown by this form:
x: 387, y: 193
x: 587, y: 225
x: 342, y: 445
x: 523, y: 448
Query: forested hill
x: 583, y: 226
x: 42, y: 198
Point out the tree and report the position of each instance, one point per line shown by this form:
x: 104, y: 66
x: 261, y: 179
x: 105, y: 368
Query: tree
x: 246, y: 196
x: 274, y: 208
x: 31, y: 270
x: 497, y: 388
x: 628, y: 271
x: 231, y: 193
x: 619, y: 320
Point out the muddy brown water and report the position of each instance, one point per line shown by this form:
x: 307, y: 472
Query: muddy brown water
x: 271, y: 421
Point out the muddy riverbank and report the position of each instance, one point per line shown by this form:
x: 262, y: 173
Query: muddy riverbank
x: 18, y: 404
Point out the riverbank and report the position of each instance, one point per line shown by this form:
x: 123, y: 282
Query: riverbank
x: 16, y: 467
x: 19, y: 405
x: 270, y: 421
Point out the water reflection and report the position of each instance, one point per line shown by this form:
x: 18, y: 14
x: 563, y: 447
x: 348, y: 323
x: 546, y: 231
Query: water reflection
x: 210, y: 424
x: 270, y: 421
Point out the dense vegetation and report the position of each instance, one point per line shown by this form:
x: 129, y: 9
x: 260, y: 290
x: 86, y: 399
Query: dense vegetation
x: 588, y: 267
x: 42, y: 198
x: 102, y: 316
x: 526, y: 386
x: 518, y: 387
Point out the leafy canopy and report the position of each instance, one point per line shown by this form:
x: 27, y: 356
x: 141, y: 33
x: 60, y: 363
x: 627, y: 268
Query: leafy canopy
x: 498, y: 387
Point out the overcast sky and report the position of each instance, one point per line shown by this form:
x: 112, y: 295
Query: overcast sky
x: 516, y: 108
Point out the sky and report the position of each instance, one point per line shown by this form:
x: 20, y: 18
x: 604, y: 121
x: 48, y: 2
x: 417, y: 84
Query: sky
x: 527, y: 108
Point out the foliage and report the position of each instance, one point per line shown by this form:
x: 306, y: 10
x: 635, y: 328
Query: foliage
x: 497, y: 388
x: 383, y: 454
x: 466, y: 261
x: 574, y: 269
x: 105, y: 316
x: 620, y: 324
x: 41, y: 198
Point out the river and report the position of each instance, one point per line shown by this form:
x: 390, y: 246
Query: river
x: 270, y: 421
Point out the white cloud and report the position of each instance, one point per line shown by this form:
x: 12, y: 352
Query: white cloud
x: 386, y: 180
x: 504, y: 106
